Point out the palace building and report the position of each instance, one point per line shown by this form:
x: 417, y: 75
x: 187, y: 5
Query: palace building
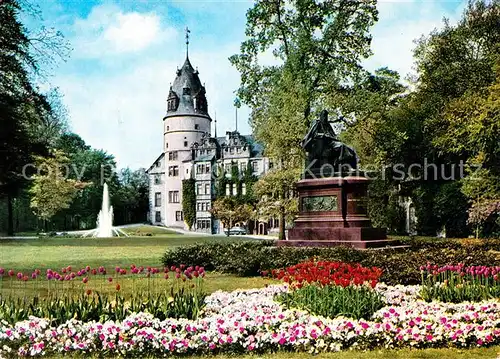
x: 190, y: 151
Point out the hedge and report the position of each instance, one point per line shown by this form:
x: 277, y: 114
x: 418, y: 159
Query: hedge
x: 400, y: 265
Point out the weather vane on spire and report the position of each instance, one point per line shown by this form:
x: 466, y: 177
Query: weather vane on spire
x: 187, y: 40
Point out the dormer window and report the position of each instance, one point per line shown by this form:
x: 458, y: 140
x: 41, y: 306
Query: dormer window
x: 186, y: 91
x: 172, y: 101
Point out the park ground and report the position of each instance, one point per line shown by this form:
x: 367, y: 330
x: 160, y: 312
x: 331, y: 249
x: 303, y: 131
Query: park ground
x: 145, y: 247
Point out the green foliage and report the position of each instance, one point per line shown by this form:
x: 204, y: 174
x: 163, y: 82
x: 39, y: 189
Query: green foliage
x: 30, y: 119
x: 242, y: 258
x: 384, y: 209
x: 276, y: 193
x: 449, y: 286
x: 189, y: 201
x: 400, y: 266
x: 51, y: 190
x: 317, y: 47
x: 182, y: 303
x: 230, y: 211
x: 358, y: 302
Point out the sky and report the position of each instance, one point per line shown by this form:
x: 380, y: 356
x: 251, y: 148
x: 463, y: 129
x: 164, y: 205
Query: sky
x: 125, y: 53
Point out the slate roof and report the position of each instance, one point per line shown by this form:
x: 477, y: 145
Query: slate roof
x: 160, y: 157
x: 257, y: 148
x: 204, y: 158
x: 187, y: 76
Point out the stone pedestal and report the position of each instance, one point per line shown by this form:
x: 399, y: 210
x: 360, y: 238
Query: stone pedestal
x: 333, y: 212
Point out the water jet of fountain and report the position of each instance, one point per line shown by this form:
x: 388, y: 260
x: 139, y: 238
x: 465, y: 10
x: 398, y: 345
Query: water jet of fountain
x: 105, y: 217
x: 105, y: 227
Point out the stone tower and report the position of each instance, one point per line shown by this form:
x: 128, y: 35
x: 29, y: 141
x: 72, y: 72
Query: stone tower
x: 186, y: 122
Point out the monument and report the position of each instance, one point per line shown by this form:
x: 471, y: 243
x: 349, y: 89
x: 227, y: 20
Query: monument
x: 332, y: 195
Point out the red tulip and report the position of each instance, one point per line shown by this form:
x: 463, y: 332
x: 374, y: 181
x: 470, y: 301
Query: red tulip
x: 85, y: 280
x: 118, y: 287
x: 110, y: 279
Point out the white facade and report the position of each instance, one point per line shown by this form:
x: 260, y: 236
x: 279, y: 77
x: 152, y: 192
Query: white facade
x: 157, y: 212
x: 189, y: 151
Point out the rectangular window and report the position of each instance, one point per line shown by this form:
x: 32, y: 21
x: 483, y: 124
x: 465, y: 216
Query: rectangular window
x: 157, y: 179
x: 158, y: 199
x: 157, y: 216
x: 207, y: 168
x: 198, y: 188
x: 173, y: 171
x: 173, y: 155
x: 235, y: 189
x: 199, y: 168
x: 227, y: 168
x: 228, y: 189
x: 185, y: 143
x: 173, y: 197
x: 179, y: 216
x: 203, y: 224
x: 207, y: 188
x: 208, y: 206
x: 255, y: 166
x: 196, y: 126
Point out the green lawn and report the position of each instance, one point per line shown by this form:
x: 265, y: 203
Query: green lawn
x: 25, y: 255
x: 484, y: 353
x: 28, y: 254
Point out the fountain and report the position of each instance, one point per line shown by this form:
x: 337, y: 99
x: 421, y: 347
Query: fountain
x: 105, y: 227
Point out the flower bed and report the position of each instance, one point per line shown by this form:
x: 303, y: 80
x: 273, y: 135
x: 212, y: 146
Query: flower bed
x: 246, y: 321
x: 458, y: 283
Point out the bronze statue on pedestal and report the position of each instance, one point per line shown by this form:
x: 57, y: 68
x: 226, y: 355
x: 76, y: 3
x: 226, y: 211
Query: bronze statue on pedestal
x: 326, y: 155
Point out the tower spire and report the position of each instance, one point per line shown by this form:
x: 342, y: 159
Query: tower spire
x: 187, y: 41
x: 215, y: 124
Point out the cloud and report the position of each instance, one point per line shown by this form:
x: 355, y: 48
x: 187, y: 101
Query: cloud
x: 107, y: 30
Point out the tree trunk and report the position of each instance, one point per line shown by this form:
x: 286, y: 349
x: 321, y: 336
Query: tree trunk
x: 281, y: 236
x: 10, y: 216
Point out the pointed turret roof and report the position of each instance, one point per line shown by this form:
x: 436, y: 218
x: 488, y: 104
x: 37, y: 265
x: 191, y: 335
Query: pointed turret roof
x: 187, y: 86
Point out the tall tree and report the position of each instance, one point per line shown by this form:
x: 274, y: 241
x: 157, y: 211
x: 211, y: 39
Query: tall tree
x: 316, y: 45
x: 25, y: 111
x: 51, y: 189
x: 276, y: 193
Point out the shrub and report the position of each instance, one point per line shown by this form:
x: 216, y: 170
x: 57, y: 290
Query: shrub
x: 459, y: 284
x: 399, y: 266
